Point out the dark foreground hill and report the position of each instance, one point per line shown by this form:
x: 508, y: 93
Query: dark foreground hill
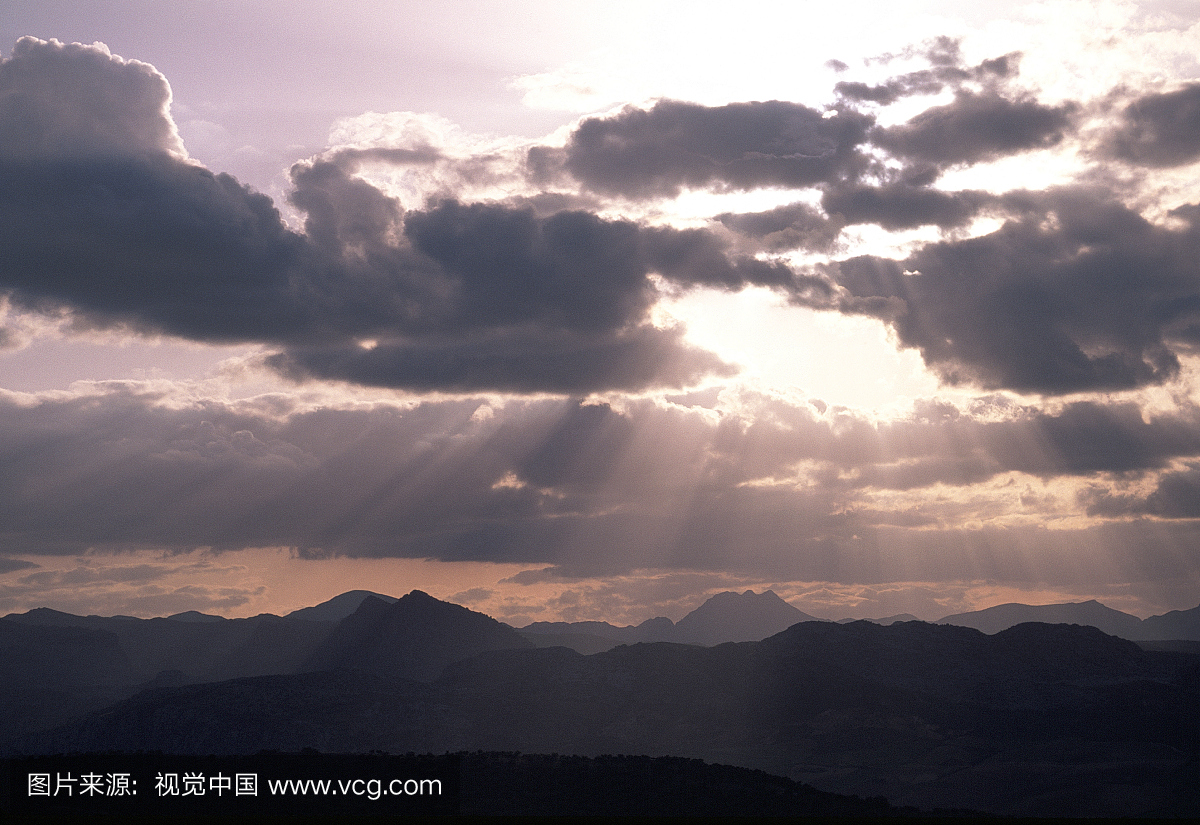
x: 1036, y: 720
x: 512, y: 784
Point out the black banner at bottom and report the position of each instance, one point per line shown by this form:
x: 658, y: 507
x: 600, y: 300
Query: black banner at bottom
x: 138, y: 784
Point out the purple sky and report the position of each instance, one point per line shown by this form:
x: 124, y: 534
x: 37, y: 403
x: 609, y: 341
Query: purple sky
x: 588, y: 311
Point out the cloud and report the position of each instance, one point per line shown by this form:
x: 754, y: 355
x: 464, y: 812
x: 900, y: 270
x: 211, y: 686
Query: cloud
x: 976, y: 126
x: 947, y: 71
x: 903, y: 206
x: 162, y: 247
x: 1088, y: 437
x: 11, y: 565
x: 658, y: 152
x: 792, y: 226
x: 1175, y: 496
x: 1077, y: 293
x: 152, y: 244
x: 569, y: 271
x: 74, y: 101
x: 98, y: 586
x: 758, y: 485
x: 518, y: 361
x: 458, y: 296
x: 1159, y: 130
x: 673, y: 145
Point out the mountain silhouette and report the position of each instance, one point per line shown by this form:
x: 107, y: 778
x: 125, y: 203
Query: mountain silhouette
x: 725, y: 617
x: 899, y: 617
x: 337, y: 608
x: 738, y: 617
x: 922, y: 714
x: 415, y: 637
x: 200, y: 650
x: 1034, y: 719
x: 195, y: 616
x: 52, y: 672
x: 1177, y: 624
x: 1091, y: 613
x: 590, y: 637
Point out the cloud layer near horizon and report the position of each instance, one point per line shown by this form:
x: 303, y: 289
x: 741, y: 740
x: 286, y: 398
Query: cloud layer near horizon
x: 747, y: 482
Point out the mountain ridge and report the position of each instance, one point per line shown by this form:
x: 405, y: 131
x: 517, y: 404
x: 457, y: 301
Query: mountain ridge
x: 1091, y: 612
x: 413, y: 637
x: 923, y: 714
x: 723, y: 617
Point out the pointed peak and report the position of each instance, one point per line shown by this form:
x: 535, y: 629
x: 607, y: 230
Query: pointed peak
x: 340, y: 606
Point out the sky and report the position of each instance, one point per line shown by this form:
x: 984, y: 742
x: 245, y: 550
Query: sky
x: 576, y: 310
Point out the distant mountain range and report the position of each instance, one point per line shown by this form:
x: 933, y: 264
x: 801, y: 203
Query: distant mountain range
x: 725, y: 617
x: 733, y: 617
x: 922, y: 714
x: 1034, y: 719
x: 1178, y: 624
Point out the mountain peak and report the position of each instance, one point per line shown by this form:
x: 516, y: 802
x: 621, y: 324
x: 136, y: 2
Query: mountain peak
x: 339, y: 607
x: 413, y: 637
x: 738, y: 617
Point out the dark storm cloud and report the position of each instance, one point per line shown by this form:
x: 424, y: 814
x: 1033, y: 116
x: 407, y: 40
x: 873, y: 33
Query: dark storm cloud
x: 342, y: 212
x: 153, y: 244
x: 581, y: 450
x: 1087, y: 437
x: 1078, y: 293
x: 903, y: 206
x: 976, y: 126
x: 123, y: 232
x: 657, y: 152
x: 161, y: 246
x: 1159, y: 129
x: 570, y: 271
x: 641, y: 153
x: 516, y: 361
x: 793, y: 226
x: 693, y: 257
x: 546, y: 482
x: 1175, y: 496
x: 1074, y: 293
x: 903, y: 203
